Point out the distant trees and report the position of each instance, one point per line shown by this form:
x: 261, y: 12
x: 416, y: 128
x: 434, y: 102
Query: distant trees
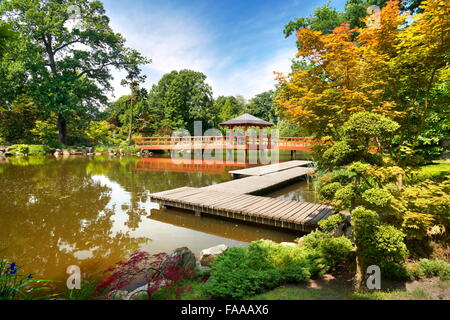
x: 326, y: 18
x: 66, y: 68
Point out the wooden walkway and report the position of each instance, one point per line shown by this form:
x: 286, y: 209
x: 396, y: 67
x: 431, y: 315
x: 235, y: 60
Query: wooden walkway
x: 260, y: 184
x: 287, y: 214
x: 237, y: 199
x: 277, y: 167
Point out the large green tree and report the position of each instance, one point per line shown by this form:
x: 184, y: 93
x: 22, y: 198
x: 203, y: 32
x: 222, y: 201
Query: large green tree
x: 182, y: 97
x: 262, y: 106
x: 134, y: 79
x: 67, y: 64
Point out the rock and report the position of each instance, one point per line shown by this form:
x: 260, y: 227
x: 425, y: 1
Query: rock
x: 118, y: 295
x: 139, y: 293
x: 208, y: 256
x: 65, y: 152
x: 290, y: 244
x: 348, y: 232
x: 182, y: 257
x: 98, y: 153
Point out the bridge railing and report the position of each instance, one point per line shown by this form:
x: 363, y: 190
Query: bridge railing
x: 218, y: 141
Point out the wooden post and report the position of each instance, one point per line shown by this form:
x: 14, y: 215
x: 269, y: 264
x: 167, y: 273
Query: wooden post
x: 230, y: 149
x: 246, y: 143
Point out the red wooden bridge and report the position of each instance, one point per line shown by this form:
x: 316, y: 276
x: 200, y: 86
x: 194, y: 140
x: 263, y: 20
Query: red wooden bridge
x: 236, y: 143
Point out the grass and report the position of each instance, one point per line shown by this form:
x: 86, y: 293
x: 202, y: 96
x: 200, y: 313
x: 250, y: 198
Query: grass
x: 437, y: 170
x: 297, y: 293
x: 86, y: 292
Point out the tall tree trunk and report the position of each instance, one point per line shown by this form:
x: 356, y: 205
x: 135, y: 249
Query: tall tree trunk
x: 359, y: 275
x: 62, y: 129
x: 130, y: 131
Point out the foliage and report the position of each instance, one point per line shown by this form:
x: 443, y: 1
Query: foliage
x: 17, y: 286
x: 426, y: 209
x: 98, y: 132
x: 243, y: 272
x: 46, y: 132
x: 398, y: 73
x: 86, y: 292
x: 262, y: 106
x: 162, y: 276
x: 332, y: 223
x: 426, y: 268
x: 71, y: 65
x: 378, y: 244
x: 22, y: 149
x: 323, y: 19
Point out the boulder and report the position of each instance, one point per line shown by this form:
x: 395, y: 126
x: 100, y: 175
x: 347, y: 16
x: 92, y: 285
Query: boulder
x: 208, y: 256
x: 290, y: 244
x: 65, y: 152
x: 138, y: 293
x: 181, y: 257
x: 118, y: 295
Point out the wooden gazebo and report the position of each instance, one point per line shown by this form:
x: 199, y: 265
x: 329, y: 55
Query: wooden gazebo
x: 245, y: 121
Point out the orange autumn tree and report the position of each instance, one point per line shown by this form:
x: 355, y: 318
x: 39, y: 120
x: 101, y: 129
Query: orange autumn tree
x: 369, y: 83
x: 389, y: 68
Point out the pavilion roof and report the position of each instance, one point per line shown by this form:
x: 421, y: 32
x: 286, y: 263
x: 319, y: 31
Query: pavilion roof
x: 246, y: 120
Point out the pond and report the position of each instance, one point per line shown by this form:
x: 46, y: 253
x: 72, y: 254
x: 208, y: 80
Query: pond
x: 94, y: 212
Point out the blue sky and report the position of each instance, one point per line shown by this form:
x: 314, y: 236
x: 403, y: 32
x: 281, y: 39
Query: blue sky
x: 237, y: 44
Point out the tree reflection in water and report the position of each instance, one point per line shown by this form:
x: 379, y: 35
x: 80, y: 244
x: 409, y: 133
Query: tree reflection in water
x: 95, y: 212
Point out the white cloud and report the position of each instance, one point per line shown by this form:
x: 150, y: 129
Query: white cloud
x: 176, y: 40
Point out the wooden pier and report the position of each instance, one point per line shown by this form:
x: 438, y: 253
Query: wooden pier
x: 237, y: 199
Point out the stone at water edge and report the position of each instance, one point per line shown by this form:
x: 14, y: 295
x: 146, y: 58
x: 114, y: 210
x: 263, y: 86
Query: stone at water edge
x: 181, y: 257
x: 208, y: 256
x: 290, y: 244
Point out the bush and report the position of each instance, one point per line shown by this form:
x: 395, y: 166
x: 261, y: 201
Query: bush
x: 328, y: 191
x: 330, y: 249
x: 17, y: 286
x: 431, y: 268
x: 243, y: 272
x: 377, y: 197
x: 332, y: 223
x: 38, y: 150
x: 379, y: 244
x: 335, y: 250
x: 21, y: 149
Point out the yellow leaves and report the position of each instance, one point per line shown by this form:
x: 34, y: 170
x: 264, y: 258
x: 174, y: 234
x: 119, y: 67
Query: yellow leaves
x: 368, y: 73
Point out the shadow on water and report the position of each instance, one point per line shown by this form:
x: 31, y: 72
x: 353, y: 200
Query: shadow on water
x: 94, y: 212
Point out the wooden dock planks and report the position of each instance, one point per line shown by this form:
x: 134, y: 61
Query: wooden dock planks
x: 260, y: 184
x: 277, y: 167
x: 237, y: 199
x: 276, y: 212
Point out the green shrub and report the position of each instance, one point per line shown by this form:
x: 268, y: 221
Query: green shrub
x: 379, y: 244
x: 332, y: 223
x: 335, y: 250
x: 330, y: 249
x: 314, y: 239
x: 328, y: 191
x: 21, y: 149
x: 377, y: 196
x: 243, y: 272
x: 426, y: 268
x: 38, y: 150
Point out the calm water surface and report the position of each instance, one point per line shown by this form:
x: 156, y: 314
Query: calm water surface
x: 95, y: 212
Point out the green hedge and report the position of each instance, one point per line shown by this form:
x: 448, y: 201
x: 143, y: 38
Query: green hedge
x: 264, y: 265
x: 31, y: 149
